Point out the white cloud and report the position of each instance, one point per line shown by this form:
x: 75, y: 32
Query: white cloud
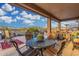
x: 14, y: 20
x: 15, y: 12
x: 69, y: 23
x: 29, y: 16
x: 13, y: 8
x: 32, y: 24
x: 2, y: 12
x: 8, y: 7
x: 23, y: 13
x: 17, y: 17
x: 44, y: 20
x: 20, y: 18
x: 35, y: 17
x: 7, y: 19
x: 28, y: 21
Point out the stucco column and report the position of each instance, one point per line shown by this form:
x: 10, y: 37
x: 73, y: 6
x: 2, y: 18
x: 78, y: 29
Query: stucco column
x: 49, y: 26
x: 59, y: 25
x: 7, y: 35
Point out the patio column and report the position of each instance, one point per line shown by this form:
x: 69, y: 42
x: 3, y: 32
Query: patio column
x: 59, y: 25
x: 7, y: 34
x: 49, y: 26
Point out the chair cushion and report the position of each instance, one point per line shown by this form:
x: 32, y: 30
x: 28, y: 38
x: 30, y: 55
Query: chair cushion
x: 5, y: 45
x: 18, y: 42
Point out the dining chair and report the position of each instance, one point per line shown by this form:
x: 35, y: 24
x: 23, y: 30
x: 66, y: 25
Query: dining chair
x: 28, y: 52
x: 28, y: 35
x: 61, y: 48
x: 53, y: 51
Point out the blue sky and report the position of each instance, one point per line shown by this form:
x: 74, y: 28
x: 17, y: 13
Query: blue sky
x: 16, y: 17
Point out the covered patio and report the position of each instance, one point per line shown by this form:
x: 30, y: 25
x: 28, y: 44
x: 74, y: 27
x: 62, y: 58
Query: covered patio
x: 59, y: 13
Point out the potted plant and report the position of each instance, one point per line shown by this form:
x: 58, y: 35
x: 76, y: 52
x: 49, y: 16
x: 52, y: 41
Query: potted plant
x: 40, y: 37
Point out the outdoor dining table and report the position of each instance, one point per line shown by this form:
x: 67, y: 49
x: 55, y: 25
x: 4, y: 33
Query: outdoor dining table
x: 34, y: 43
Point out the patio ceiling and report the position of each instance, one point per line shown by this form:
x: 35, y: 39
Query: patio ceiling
x: 58, y: 11
x: 65, y: 11
x: 35, y: 8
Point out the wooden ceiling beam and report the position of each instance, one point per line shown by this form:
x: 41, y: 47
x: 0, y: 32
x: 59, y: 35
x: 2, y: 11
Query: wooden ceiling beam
x: 35, y: 8
x: 73, y: 18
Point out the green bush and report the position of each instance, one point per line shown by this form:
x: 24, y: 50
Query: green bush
x: 33, y: 29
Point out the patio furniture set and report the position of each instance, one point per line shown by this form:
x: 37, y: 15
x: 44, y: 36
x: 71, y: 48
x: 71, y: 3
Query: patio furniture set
x: 36, y: 48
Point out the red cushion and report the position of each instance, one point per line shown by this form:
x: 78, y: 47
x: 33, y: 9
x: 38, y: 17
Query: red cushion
x: 5, y: 45
x: 18, y: 42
